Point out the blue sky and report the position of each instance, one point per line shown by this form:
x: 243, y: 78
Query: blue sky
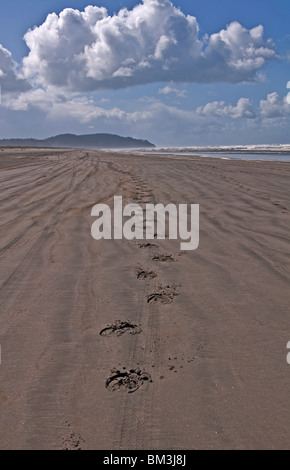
x: 180, y: 72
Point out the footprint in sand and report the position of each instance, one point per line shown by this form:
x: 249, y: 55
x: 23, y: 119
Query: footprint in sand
x: 163, y: 258
x: 148, y: 245
x: 164, y: 295
x: 143, y: 274
x: 120, y: 327
x: 72, y: 442
x: 127, y: 380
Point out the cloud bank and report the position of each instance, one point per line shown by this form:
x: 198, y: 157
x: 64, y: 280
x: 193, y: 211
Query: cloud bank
x: 85, y: 109
x: 215, y: 123
x: 153, y: 42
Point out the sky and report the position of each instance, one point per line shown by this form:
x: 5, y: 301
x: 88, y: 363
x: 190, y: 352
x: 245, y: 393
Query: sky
x: 175, y: 72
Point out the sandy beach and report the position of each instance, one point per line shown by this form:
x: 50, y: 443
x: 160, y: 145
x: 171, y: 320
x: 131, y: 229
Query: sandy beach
x: 210, y: 326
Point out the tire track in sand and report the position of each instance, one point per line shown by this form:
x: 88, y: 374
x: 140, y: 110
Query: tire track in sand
x: 12, y: 284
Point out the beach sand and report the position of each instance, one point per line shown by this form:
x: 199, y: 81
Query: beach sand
x: 215, y: 321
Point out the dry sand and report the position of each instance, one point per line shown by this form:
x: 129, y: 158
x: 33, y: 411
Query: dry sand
x: 216, y: 352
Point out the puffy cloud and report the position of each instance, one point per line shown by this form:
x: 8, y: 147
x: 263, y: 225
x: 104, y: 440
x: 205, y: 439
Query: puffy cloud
x: 243, y: 109
x: 153, y: 42
x: 10, y: 79
x: 274, y: 106
x: 34, y: 98
x: 172, y: 90
x: 237, y: 53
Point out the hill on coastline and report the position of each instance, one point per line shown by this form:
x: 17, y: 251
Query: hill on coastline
x: 104, y: 141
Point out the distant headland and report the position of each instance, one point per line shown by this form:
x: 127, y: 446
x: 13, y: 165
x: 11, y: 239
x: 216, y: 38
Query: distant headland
x: 103, y: 141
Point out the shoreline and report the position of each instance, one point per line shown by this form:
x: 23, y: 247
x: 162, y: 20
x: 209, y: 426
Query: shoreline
x: 210, y: 154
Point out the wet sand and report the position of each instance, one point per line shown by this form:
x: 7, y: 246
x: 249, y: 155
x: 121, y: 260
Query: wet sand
x: 211, y: 326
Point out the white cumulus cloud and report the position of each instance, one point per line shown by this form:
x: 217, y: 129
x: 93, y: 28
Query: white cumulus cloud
x: 274, y: 106
x: 155, y: 41
x: 243, y: 109
x: 172, y: 90
x: 10, y: 78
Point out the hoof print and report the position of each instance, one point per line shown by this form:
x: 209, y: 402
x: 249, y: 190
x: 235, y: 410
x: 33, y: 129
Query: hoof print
x: 142, y: 274
x: 127, y: 380
x: 163, y: 258
x: 148, y: 245
x: 165, y: 295
x: 120, y: 327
